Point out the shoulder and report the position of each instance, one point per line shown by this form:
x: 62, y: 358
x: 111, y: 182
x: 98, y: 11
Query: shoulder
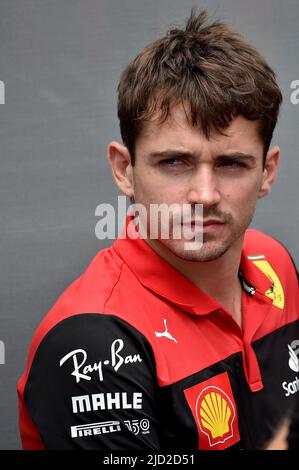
x: 265, y: 250
x: 89, y: 345
x: 255, y: 239
x: 257, y: 242
x: 89, y: 371
x: 86, y: 295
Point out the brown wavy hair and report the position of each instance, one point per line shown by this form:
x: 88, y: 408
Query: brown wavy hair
x: 210, y: 70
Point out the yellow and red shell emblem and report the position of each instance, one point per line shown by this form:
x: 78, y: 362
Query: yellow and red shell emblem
x: 215, y: 414
x: 214, y: 411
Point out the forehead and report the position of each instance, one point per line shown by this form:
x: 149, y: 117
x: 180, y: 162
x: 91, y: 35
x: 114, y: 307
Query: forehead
x: 241, y: 134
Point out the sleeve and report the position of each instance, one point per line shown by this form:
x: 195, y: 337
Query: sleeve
x: 93, y: 385
x: 291, y: 258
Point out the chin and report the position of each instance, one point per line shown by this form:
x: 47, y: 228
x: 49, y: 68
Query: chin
x: 207, y: 252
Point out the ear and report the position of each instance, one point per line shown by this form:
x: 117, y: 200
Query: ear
x: 270, y: 171
x: 120, y: 162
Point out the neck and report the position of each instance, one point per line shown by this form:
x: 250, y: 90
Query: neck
x: 218, y: 278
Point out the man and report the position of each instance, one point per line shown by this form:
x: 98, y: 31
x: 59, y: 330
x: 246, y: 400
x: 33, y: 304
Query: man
x: 156, y: 346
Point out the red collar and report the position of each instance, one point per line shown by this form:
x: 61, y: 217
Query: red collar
x: 159, y: 276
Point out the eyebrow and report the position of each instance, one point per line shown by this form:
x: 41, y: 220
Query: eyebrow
x: 185, y: 153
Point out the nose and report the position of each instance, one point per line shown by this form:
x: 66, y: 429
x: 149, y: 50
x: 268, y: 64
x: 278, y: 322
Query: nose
x: 203, y: 188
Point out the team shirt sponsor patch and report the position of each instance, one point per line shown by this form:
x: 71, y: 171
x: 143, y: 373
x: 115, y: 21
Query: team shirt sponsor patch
x: 292, y: 387
x: 107, y: 401
x: 275, y: 292
x: 214, y: 409
x: 137, y: 426
x: 294, y: 355
x: 93, y: 429
x: 84, y: 370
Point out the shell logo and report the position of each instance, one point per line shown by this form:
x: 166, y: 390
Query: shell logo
x: 215, y: 414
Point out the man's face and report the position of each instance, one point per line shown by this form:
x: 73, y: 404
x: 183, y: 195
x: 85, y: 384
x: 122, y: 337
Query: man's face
x: 176, y: 163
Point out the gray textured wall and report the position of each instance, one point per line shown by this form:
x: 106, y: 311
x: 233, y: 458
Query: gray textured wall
x: 60, y: 61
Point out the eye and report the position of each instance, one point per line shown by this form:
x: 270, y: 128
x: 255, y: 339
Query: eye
x: 170, y: 162
x: 232, y: 163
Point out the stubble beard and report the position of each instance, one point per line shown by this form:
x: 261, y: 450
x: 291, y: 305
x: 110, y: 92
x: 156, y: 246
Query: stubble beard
x: 213, y: 247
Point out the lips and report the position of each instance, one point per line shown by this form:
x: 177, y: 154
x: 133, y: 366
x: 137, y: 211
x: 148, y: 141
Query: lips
x: 211, y: 222
x: 205, y: 223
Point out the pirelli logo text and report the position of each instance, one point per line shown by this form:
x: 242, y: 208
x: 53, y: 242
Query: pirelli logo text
x: 86, y: 430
